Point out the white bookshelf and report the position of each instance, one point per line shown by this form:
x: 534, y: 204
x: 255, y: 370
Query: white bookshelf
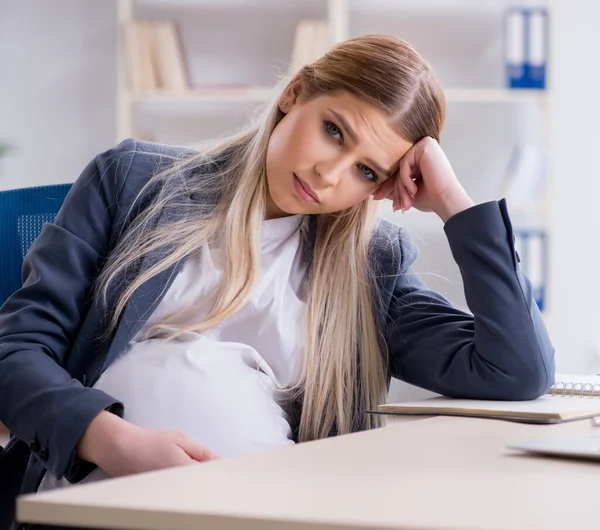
x: 264, y: 94
x: 207, y: 95
x: 461, y: 38
x: 227, y: 5
x: 339, y: 12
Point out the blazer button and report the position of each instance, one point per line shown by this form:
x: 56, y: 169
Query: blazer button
x: 43, y: 454
x: 34, y: 445
x: 518, y: 257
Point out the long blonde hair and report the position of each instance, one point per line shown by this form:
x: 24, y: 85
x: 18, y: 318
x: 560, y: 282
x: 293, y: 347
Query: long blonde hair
x: 344, y: 361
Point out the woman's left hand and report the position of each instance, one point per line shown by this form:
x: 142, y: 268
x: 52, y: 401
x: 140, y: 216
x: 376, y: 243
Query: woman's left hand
x: 426, y: 181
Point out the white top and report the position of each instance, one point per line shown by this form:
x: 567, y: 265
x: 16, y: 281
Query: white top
x: 220, y: 386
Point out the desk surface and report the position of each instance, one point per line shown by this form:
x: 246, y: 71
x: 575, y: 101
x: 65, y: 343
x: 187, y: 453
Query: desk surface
x: 440, y: 473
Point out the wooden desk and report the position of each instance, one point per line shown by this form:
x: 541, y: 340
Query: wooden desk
x: 437, y: 474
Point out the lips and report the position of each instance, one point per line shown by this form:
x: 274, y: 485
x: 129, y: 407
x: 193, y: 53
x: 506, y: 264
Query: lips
x: 306, y: 187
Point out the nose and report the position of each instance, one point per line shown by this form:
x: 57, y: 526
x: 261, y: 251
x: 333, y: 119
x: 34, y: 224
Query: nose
x: 330, y: 172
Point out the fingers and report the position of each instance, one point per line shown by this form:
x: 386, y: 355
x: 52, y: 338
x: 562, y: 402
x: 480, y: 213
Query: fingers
x: 407, y: 177
x: 195, y: 450
x: 395, y: 190
x: 406, y: 189
x: 181, y: 458
x: 384, y: 190
x: 402, y: 189
x: 390, y: 189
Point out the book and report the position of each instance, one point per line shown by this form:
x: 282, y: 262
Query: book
x: 140, y: 62
x: 135, y: 69
x: 146, y: 36
x: 302, y: 37
x: 549, y: 408
x: 545, y: 409
x: 312, y: 40
x: 155, y: 57
x: 169, y: 59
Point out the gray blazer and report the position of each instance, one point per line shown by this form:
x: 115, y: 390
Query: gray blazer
x: 51, y: 354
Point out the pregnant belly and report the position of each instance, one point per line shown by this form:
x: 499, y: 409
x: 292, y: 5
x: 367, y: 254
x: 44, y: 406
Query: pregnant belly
x: 220, y: 394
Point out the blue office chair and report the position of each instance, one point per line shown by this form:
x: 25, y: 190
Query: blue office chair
x: 22, y: 214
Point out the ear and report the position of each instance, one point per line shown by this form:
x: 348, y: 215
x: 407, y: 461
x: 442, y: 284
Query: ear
x: 290, y: 95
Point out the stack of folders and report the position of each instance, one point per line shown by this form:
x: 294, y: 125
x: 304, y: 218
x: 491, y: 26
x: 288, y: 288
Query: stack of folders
x: 526, y: 46
x: 567, y: 400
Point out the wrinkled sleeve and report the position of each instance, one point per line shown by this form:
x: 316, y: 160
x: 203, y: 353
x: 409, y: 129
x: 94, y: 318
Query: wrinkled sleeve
x: 500, y: 351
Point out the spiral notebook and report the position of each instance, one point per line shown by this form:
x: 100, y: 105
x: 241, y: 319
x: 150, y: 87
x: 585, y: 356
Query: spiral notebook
x: 567, y: 400
x: 576, y: 386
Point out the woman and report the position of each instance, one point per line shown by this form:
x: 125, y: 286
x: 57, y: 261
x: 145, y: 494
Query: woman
x: 186, y: 305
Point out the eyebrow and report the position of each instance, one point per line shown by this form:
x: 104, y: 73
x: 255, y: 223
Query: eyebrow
x: 354, y: 137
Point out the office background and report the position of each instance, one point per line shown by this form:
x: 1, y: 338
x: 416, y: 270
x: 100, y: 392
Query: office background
x: 60, y: 100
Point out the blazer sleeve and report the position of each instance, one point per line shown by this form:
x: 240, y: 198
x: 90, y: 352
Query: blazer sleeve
x: 41, y: 403
x: 502, y: 351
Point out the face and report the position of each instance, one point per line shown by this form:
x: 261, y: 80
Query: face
x: 328, y: 154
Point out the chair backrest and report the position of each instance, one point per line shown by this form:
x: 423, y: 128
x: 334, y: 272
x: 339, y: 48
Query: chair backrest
x: 22, y: 214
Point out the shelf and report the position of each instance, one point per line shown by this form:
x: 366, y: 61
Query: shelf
x: 354, y: 5
x: 430, y: 6
x: 260, y: 94
x: 229, y: 5
x: 495, y: 95
x: 208, y: 95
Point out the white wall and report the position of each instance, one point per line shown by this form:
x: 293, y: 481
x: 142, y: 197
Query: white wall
x: 576, y: 249
x: 57, y: 88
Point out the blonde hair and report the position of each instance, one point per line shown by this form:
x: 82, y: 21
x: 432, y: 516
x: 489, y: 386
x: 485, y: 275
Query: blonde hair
x: 344, y: 360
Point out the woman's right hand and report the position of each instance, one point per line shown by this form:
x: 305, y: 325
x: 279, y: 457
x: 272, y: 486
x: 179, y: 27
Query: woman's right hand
x: 120, y: 448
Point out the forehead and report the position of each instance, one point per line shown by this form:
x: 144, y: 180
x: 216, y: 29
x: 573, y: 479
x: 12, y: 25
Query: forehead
x: 372, y: 125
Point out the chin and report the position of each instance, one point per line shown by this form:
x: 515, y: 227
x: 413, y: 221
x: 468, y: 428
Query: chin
x: 284, y: 207
x: 289, y: 207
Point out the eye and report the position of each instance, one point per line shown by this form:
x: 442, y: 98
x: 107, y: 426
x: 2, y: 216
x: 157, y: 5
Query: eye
x: 370, y: 174
x: 332, y: 129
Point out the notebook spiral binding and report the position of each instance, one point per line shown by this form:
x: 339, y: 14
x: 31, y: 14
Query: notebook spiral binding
x: 570, y: 389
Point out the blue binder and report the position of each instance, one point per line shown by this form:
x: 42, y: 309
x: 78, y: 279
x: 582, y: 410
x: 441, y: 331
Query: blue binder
x: 526, y: 47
